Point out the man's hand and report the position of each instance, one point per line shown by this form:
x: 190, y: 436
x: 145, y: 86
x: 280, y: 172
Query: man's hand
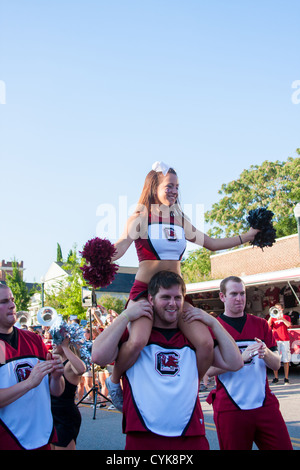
x: 262, y: 348
x: 52, y: 366
x: 57, y: 366
x: 259, y: 348
x: 39, y: 371
x: 37, y: 374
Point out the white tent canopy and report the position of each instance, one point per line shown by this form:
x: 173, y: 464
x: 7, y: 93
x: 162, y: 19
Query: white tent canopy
x: 287, y: 275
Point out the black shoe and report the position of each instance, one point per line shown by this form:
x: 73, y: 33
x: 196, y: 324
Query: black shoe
x: 286, y: 381
x: 275, y: 381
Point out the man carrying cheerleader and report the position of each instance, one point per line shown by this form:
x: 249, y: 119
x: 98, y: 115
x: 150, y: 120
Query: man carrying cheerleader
x: 160, y: 230
x: 165, y: 371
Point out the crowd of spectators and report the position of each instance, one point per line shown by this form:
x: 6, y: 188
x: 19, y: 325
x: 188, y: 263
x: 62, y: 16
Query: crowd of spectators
x: 101, y: 318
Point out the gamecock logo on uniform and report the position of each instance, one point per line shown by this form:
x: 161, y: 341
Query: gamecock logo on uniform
x: 167, y: 363
x: 23, y: 371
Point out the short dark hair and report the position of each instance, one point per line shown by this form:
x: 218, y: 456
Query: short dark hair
x: 165, y: 279
x: 228, y: 279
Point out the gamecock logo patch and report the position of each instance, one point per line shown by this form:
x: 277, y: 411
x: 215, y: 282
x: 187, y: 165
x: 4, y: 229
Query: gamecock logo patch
x: 23, y: 371
x: 167, y: 363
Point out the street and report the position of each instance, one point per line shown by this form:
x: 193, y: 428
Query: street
x: 105, y: 432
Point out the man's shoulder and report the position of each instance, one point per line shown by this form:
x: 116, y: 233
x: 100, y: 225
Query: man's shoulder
x: 259, y: 321
x: 30, y: 336
x: 33, y: 339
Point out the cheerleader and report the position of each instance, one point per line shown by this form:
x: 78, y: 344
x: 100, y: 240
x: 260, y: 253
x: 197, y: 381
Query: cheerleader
x: 66, y: 416
x: 160, y: 231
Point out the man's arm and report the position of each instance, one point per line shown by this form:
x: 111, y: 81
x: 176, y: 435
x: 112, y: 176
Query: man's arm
x: 271, y: 358
x: 283, y: 319
x: 39, y: 371
x: 106, y: 346
x: 286, y: 320
x: 227, y: 355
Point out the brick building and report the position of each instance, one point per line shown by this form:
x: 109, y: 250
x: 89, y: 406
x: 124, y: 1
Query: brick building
x: 284, y: 254
x: 274, y: 271
x: 7, y: 268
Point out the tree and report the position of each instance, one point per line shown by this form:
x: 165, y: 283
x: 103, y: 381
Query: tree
x: 196, y: 267
x: 59, y: 256
x: 70, y: 256
x: 274, y: 185
x: 110, y: 302
x: 65, y: 297
x: 19, y: 289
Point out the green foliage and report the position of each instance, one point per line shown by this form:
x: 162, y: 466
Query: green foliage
x: 19, y: 289
x: 274, y: 185
x: 110, y: 302
x: 196, y: 267
x: 65, y: 297
x: 59, y: 256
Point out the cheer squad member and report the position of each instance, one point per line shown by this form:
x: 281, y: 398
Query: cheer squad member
x: 160, y: 231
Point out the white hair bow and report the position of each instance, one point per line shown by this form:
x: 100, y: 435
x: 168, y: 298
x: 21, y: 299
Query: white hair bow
x: 161, y: 166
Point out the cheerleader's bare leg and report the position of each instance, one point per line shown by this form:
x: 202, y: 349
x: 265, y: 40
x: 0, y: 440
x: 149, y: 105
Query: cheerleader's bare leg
x: 198, y: 334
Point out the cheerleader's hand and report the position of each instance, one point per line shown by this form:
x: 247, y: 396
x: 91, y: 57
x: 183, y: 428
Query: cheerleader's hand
x: 250, y: 235
x: 66, y: 342
x: 138, y: 309
x: 191, y: 314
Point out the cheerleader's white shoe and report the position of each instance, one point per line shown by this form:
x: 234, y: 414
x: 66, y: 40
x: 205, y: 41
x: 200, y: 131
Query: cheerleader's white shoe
x: 116, y: 393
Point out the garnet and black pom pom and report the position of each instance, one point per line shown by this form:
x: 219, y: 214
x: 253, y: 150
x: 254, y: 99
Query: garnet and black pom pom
x: 261, y: 219
x: 99, y: 270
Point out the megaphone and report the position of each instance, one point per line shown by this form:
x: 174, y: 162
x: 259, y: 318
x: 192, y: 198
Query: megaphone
x: 47, y: 316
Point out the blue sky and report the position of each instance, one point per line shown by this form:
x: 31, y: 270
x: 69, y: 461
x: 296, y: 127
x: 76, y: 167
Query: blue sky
x: 96, y: 91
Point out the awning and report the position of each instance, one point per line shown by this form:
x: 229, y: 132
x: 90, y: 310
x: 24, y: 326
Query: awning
x: 274, y: 277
